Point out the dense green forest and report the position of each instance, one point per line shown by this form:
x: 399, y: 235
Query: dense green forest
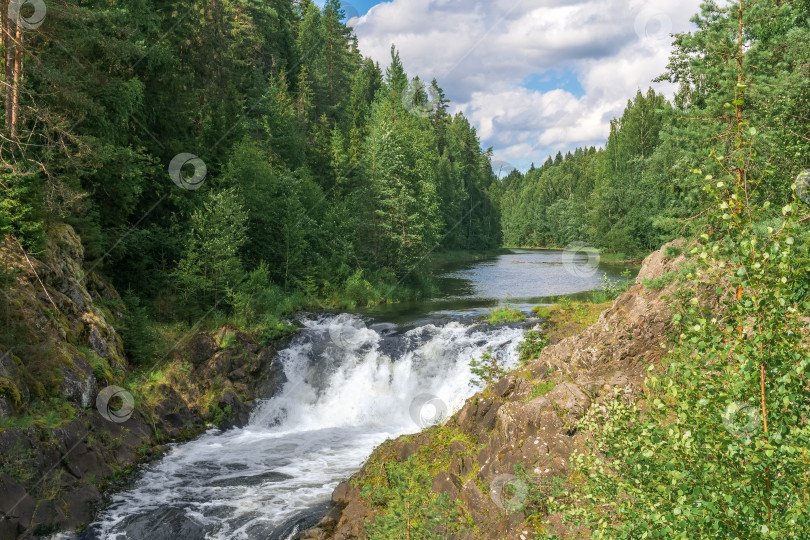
x: 318, y: 178
x: 239, y: 160
x: 641, y: 189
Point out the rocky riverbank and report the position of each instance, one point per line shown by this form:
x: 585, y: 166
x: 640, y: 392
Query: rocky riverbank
x: 60, y: 443
x: 528, y: 417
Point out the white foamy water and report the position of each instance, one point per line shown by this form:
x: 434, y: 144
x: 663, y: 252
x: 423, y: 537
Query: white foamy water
x: 349, y: 388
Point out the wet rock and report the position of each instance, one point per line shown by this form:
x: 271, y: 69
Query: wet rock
x: 172, y: 411
x: 48, y: 518
x: 343, y: 493
x: 81, y: 502
x: 7, y: 408
x: 78, y: 381
x: 86, y: 463
x: 202, y: 347
x: 15, y: 503
x: 269, y: 374
x: 240, y: 413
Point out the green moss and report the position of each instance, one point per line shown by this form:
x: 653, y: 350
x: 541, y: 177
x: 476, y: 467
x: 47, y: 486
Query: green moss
x: 432, y: 457
x: 53, y: 413
x: 541, y: 390
x: 8, y: 388
x: 505, y: 315
x: 101, y: 367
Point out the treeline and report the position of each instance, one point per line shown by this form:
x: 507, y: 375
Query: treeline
x: 316, y: 172
x: 642, y: 190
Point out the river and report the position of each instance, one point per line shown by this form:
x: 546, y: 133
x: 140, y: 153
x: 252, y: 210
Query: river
x: 353, y: 381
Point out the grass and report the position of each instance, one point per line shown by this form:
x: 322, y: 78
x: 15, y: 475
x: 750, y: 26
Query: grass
x: 505, y: 315
x: 55, y: 413
x: 541, y: 390
x: 682, y: 273
x: 568, y: 318
x: 433, y: 457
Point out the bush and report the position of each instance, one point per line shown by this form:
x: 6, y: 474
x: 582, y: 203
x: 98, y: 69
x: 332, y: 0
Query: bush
x: 533, y: 344
x: 360, y: 291
x: 671, y: 252
x: 411, y: 509
x: 505, y: 315
x: 486, y: 370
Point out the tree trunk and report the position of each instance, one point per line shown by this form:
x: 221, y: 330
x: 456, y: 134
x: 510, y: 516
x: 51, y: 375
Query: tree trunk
x: 12, y: 63
x: 8, y: 60
x: 15, y: 95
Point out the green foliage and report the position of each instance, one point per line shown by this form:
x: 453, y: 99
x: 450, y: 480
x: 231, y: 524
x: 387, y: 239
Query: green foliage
x: 541, y: 390
x: 411, y: 509
x: 360, y: 291
x: 540, y: 495
x: 610, y: 289
x: 137, y: 334
x: 220, y: 416
x: 486, y: 370
x: 49, y: 413
x: 211, y: 264
x: 504, y: 315
x: 683, y: 272
x: 9, y: 389
x: 318, y: 177
x: 719, y: 446
x: 611, y: 198
x: 533, y: 342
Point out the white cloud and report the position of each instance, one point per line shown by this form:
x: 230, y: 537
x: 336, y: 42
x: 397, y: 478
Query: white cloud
x: 482, y: 51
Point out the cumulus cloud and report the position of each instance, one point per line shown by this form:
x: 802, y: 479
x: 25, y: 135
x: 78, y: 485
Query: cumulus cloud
x: 483, y: 52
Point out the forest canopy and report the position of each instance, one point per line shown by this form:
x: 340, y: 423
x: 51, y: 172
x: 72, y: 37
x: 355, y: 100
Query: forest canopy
x: 198, y: 148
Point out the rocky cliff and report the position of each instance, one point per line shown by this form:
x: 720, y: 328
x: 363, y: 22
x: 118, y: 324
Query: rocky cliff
x: 528, y: 417
x: 61, y: 442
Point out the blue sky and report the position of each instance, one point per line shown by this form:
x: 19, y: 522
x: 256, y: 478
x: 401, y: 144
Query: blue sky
x: 534, y: 76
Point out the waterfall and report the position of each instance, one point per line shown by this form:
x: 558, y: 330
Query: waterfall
x: 351, y: 384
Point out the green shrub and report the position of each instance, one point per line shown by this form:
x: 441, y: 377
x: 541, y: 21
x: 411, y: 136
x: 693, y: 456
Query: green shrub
x: 410, y: 508
x: 486, y: 370
x: 360, y: 291
x: 504, y: 315
x: 671, y: 252
x: 532, y: 345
